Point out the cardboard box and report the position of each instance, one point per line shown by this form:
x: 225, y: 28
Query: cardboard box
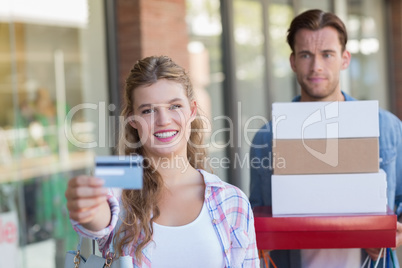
x: 329, y: 194
x: 325, y: 120
x: 320, y: 156
x: 347, y: 231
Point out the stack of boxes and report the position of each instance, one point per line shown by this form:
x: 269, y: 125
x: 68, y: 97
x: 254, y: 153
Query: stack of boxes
x: 326, y: 159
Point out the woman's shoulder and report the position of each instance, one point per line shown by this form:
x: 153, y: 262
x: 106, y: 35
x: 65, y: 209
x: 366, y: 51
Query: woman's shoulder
x: 224, y: 191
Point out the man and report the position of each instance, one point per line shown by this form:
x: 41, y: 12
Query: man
x: 318, y: 42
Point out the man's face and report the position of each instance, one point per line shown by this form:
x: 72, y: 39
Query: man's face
x: 317, y: 61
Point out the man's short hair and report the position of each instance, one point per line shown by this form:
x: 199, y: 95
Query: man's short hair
x: 314, y: 20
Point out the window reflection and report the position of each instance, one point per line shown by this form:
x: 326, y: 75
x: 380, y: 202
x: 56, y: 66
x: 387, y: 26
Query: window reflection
x: 282, y: 81
x: 366, y: 43
x: 48, y: 66
x: 205, y: 29
x: 250, y: 66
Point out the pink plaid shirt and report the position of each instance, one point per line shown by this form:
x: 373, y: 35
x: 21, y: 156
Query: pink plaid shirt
x: 231, y: 216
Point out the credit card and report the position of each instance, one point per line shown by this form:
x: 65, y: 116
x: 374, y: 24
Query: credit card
x: 120, y: 171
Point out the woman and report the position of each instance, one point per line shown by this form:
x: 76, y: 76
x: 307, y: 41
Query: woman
x: 183, y: 216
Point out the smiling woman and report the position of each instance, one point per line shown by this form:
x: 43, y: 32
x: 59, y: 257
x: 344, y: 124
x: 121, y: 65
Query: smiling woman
x: 180, y: 203
x: 162, y: 115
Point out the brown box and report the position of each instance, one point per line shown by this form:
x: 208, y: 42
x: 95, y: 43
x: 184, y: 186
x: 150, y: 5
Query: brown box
x: 325, y: 156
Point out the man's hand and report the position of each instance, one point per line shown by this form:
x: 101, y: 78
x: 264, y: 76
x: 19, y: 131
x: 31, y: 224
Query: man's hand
x: 398, y: 234
x: 374, y: 252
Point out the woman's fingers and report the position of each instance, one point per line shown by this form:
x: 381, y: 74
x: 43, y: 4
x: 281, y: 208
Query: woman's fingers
x: 85, y: 203
x: 84, y: 187
x: 83, y: 216
x: 85, y: 181
x: 84, y: 194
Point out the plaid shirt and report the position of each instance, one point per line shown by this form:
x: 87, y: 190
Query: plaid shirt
x: 231, y: 216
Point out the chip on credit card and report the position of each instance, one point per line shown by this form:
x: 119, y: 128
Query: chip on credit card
x: 120, y: 171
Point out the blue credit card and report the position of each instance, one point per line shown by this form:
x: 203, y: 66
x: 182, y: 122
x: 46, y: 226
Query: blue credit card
x: 120, y: 171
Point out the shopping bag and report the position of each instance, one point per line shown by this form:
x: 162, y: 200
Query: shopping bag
x: 74, y: 259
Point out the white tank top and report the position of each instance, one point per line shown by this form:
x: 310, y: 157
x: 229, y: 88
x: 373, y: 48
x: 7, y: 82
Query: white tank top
x: 192, y: 245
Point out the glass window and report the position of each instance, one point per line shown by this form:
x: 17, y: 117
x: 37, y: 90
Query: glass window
x: 282, y: 81
x: 250, y: 78
x: 313, y: 4
x: 205, y: 30
x: 53, y: 108
x: 367, y: 43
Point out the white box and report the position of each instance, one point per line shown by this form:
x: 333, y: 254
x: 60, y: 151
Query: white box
x: 323, y: 120
x: 329, y: 194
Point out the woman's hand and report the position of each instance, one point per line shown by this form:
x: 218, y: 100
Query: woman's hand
x: 86, y: 202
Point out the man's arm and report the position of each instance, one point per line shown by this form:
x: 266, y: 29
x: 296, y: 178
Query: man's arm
x: 255, y: 181
x: 398, y: 170
x: 374, y: 252
x: 261, y: 167
x: 398, y: 197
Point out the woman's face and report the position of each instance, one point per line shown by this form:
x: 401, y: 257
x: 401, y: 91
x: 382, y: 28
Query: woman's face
x: 162, y: 114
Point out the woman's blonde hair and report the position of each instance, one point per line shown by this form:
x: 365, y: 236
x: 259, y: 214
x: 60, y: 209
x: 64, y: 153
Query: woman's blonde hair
x: 140, y: 206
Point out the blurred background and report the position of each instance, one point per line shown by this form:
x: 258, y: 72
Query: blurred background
x: 62, y: 69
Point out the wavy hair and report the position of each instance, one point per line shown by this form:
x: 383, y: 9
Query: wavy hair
x: 140, y: 206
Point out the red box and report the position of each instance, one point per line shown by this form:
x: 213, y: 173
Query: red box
x: 349, y: 231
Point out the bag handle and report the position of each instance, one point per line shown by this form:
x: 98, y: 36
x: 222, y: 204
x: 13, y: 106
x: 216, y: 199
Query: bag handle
x: 79, y: 243
x: 262, y: 254
x: 385, y: 254
x: 93, y: 247
x: 110, y: 251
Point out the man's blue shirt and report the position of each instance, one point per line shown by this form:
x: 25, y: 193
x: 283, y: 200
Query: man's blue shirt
x: 390, y: 144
